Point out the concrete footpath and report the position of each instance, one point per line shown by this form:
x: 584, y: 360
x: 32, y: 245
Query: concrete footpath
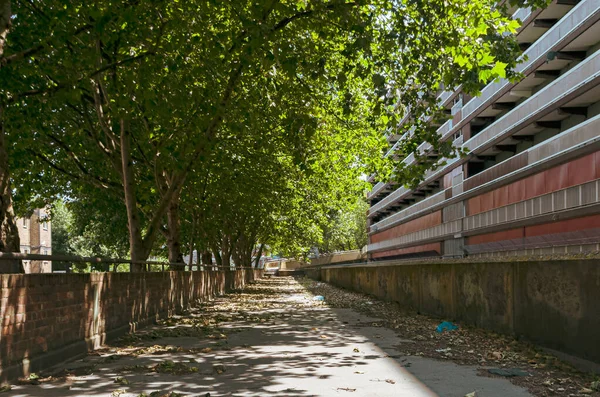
x: 272, y: 339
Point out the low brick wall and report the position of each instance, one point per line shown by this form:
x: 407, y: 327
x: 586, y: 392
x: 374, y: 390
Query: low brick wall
x: 48, y: 318
x: 554, y: 303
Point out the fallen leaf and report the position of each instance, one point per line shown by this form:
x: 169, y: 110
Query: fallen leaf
x: 122, y: 381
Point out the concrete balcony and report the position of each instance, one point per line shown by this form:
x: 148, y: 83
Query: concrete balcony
x: 390, y: 199
x: 415, y: 208
x: 565, y: 30
x: 574, y: 31
x: 575, y: 88
x: 559, y: 93
x: 376, y: 190
x: 570, y: 144
x: 436, y: 233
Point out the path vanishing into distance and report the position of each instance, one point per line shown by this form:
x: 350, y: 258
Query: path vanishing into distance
x: 274, y: 339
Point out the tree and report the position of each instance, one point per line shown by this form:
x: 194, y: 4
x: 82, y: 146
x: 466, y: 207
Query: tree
x: 347, y: 229
x: 9, y: 234
x: 138, y: 100
x: 87, y: 229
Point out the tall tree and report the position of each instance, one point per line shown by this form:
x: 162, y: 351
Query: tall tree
x: 9, y: 234
x: 133, y: 99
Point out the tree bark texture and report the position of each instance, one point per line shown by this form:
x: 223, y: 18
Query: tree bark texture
x: 5, y: 14
x: 174, y: 234
x: 258, y: 255
x: 136, y: 243
x: 9, y: 233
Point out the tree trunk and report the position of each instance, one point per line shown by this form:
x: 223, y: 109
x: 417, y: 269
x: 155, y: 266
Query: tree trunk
x: 136, y: 243
x: 226, y: 248
x: 207, y: 258
x: 9, y: 233
x: 191, y: 246
x: 5, y: 15
x: 174, y: 234
x: 258, y: 255
x: 217, y: 254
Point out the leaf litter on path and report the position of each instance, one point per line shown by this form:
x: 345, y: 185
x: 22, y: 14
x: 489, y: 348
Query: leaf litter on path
x: 260, y: 305
x: 465, y: 345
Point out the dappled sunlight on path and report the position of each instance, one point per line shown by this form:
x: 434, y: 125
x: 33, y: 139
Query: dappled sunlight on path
x: 272, y: 339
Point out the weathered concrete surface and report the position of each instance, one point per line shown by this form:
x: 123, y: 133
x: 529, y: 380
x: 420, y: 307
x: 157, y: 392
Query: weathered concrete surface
x: 553, y: 303
x: 343, y: 257
x: 279, y: 342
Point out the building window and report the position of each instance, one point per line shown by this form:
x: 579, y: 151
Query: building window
x: 25, y: 223
x: 45, y: 251
x: 45, y: 225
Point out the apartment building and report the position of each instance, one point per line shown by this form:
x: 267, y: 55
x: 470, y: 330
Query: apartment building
x: 530, y: 183
x: 36, y: 238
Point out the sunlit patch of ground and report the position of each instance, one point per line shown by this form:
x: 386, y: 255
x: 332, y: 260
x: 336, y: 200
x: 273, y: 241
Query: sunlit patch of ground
x: 274, y: 339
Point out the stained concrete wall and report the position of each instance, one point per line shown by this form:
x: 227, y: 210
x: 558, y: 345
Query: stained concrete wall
x: 339, y: 257
x: 553, y: 303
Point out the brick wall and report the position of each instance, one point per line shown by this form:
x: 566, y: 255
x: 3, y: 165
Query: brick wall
x: 47, y: 318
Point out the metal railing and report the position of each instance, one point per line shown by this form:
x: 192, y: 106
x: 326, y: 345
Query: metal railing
x: 148, y: 266
x: 581, y: 237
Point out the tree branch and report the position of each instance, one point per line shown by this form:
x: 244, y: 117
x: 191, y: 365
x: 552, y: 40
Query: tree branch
x: 78, y: 164
x: 121, y: 63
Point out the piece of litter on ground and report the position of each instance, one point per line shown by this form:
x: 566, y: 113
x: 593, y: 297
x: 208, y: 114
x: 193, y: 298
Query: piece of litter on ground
x: 446, y: 326
x: 446, y: 350
x: 319, y: 298
x: 507, y: 372
x: 472, y: 394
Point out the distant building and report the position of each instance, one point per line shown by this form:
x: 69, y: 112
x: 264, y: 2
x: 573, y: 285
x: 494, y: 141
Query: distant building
x: 36, y: 238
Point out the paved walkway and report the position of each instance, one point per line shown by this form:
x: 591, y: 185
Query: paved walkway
x: 271, y: 340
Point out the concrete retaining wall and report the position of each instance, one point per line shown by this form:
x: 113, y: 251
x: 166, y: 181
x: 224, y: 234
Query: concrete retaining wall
x: 554, y: 303
x: 48, y: 318
x: 339, y: 257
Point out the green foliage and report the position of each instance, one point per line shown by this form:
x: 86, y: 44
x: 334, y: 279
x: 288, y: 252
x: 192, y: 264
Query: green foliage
x: 81, y: 229
x: 250, y: 121
x: 346, y: 230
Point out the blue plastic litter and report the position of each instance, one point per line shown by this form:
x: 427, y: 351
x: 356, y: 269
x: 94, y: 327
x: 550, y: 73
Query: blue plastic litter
x: 319, y: 298
x: 446, y: 326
